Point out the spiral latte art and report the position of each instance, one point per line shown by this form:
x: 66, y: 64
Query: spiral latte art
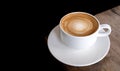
x: 79, y: 24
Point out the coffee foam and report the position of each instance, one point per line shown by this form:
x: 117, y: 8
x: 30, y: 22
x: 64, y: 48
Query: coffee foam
x: 79, y: 25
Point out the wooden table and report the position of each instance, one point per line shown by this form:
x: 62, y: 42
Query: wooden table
x: 112, y: 61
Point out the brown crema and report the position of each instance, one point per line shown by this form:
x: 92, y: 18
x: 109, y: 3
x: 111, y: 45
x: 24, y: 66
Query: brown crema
x: 79, y: 24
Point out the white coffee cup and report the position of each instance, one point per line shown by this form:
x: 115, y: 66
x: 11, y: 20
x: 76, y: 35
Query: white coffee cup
x: 83, y: 41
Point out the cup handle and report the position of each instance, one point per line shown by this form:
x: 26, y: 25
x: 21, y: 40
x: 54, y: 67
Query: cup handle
x: 104, y: 33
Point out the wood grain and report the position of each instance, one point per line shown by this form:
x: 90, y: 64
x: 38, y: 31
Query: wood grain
x: 112, y: 61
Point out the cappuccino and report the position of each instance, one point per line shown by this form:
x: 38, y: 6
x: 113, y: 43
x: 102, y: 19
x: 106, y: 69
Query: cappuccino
x: 79, y: 24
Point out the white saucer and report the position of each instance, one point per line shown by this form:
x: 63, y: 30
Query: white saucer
x: 77, y: 57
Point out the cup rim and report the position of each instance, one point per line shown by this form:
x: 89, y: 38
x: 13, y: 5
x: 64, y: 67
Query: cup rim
x: 80, y: 36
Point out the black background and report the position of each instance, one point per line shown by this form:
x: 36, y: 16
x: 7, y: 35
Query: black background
x: 44, y: 16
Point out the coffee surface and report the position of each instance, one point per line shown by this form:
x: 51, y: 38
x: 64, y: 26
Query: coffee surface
x: 78, y: 24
